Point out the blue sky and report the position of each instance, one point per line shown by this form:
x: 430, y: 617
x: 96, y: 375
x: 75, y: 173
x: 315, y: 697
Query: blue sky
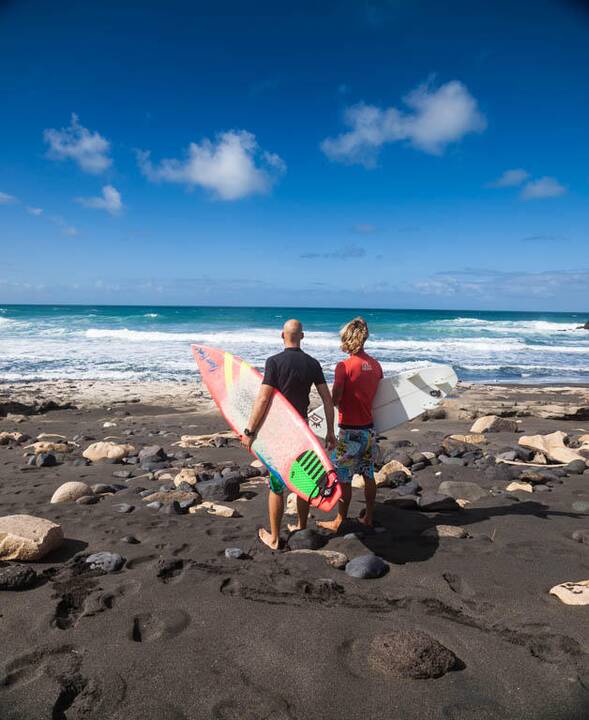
x: 389, y: 154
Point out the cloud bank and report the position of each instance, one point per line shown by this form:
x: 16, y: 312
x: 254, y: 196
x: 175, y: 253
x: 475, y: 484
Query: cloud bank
x: 88, y: 149
x: 232, y: 167
x: 6, y: 199
x: 436, y: 118
x: 544, y: 187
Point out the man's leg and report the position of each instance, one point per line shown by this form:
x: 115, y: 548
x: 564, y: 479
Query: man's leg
x: 275, y: 513
x: 370, y: 496
x: 302, y: 515
x: 368, y: 460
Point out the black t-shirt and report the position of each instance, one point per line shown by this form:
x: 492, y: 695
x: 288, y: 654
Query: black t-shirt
x: 292, y: 372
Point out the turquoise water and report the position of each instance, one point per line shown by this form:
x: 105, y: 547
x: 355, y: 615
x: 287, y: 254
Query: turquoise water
x: 151, y: 343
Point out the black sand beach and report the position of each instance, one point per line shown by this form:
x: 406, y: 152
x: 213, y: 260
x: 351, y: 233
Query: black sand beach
x: 181, y: 631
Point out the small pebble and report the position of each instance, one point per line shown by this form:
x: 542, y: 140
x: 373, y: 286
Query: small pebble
x: 106, y: 561
x: 130, y: 539
x: 235, y: 553
x: 123, y: 507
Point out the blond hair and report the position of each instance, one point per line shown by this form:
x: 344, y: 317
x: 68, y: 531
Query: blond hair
x: 353, y: 335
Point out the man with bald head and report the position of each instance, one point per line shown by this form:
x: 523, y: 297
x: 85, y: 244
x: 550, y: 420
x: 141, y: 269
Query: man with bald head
x: 292, y: 372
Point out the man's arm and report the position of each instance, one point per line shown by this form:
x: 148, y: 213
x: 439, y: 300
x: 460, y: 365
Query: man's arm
x: 325, y: 395
x: 336, y: 394
x: 338, y: 384
x: 257, y: 415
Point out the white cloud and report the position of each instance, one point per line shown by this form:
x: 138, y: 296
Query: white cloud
x: 89, y: 149
x: 544, y: 187
x: 232, y: 167
x: 34, y: 211
x: 510, y: 178
x: 438, y: 117
x: 110, y: 200
x: 6, y: 199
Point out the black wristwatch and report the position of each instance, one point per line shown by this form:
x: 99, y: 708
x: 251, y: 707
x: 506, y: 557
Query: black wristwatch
x: 249, y: 433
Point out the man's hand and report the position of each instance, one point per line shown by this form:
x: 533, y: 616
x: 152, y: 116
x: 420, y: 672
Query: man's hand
x: 330, y: 441
x: 246, y: 441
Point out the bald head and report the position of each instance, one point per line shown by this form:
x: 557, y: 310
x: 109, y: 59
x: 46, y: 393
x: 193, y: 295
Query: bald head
x: 292, y: 333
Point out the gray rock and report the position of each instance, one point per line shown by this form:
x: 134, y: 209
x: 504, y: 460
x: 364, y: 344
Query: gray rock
x: 185, y: 505
x: 410, y: 654
x: 447, y: 460
x: 152, y: 465
x: 45, y: 460
x: 508, y: 455
x: 81, y: 462
x: 101, y: 488
x: 581, y: 506
x: 581, y: 536
x: 122, y: 474
x: 576, y: 467
x: 17, y: 577
x: 172, y: 508
x: 409, y: 488
x: 106, y: 561
x: 466, y: 490
x: 123, y: 507
x: 418, y: 457
x: 366, y: 567
x: 130, y: 539
x: 416, y: 467
x: 155, y: 505
x: 308, y: 539
x: 541, y: 488
x: 152, y: 453
x: 235, y: 553
x: 87, y: 500
x: 221, y: 489
x: 435, y: 502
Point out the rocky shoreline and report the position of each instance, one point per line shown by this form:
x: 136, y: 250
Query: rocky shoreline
x: 138, y: 588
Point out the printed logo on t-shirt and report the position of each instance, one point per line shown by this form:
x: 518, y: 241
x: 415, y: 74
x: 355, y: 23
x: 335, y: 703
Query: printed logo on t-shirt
x: 366, y: 367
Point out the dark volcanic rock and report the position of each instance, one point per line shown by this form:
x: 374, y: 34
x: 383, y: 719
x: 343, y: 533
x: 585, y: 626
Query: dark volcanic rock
x: 403, y: 502
x: 435, y: 502
x: 223, y: 489
x: 576, y: 467
x: 45, y: 460
x: 152, y: 453
x: 130, y: 539
x: 308, y: 539
x: 366, y: 567
x: 87, y: 500
x: 17, y: 577
x: 172, y: 508
x: 410, y: 654
x: 447, y: 460
x: 122, y: 474
x: 409, y: 488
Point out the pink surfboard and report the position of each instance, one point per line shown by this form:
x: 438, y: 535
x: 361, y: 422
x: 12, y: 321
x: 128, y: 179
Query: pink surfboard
x: 284, y: 442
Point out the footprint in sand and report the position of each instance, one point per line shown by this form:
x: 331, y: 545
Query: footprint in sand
x: 59, y: 684
x: 458, y: 585
x: 147, y: 627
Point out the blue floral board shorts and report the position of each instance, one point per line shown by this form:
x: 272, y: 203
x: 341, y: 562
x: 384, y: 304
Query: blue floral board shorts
x: 354, y: 454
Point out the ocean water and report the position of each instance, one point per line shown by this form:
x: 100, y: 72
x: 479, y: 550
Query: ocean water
x: 153, y: 343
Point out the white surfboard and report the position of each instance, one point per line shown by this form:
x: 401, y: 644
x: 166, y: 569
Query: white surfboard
x: 400, y: 397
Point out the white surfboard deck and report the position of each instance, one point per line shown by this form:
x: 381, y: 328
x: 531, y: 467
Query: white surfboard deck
x: 400, y: 397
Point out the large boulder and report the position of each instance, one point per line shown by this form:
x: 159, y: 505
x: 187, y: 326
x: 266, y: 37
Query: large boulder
x: 493, y: 423
x: 25, y: 537
x: 224, y: 489
x: 107, y: 451
x: 70, y: 492
x: 466, y: 490
x: 552, y: 446
x: 46, y: 446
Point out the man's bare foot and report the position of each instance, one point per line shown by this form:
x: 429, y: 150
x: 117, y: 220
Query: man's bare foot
x: 266, y: 538
x: 365, y: 521
x: 331, y: 525
x: 295, y: 527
